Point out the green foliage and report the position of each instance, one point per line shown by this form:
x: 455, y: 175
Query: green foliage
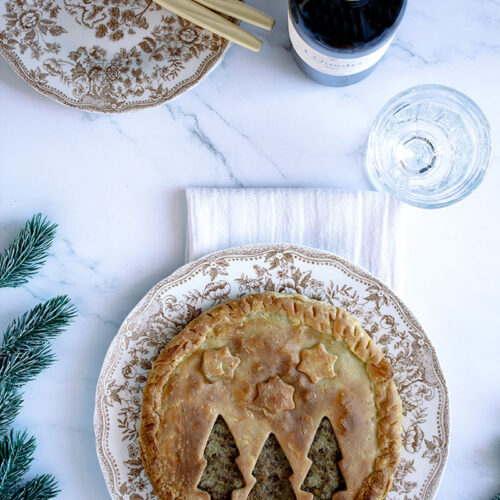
x: 24, y: 353
x: 41, y: 488
x: 36, y: 327
x: 21, y: 367
x: 10, y: 405
x: 16, y: 455
x: 27, y: 253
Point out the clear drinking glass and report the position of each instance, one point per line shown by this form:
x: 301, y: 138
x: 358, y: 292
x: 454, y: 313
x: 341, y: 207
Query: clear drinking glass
x: 429, y: 146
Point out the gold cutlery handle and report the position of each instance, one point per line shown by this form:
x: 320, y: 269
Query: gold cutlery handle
x: 239, y: 10
x: 209, y: 20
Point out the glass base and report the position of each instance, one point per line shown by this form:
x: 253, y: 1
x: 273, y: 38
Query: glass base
x: 417, y: 154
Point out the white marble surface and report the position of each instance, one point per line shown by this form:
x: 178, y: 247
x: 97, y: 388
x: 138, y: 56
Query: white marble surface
x: 115, y: 186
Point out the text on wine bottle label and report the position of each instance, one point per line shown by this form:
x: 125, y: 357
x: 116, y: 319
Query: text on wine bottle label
x: 333, y: 65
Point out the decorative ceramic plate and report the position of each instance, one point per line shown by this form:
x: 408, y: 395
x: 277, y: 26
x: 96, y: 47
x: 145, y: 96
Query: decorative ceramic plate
x: 105, y: 55
x: 198, y: 286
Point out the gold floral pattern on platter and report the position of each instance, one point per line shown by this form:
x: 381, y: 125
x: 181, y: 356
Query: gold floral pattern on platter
x: 105, y: 55
x: 196, y: 287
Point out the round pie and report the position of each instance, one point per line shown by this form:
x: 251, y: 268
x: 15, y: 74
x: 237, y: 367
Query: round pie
x: 276, y: 385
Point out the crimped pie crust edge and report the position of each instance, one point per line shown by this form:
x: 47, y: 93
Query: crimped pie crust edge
x: 322, y: 317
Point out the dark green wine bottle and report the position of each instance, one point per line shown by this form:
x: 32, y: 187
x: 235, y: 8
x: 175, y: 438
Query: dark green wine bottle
x: 339, y: 42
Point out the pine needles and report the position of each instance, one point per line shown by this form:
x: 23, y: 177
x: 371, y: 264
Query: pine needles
x: 10, y: 405
x: 16, y: 456
x: 27, y: 253
x: 42, y: 487
x: 24, y: 353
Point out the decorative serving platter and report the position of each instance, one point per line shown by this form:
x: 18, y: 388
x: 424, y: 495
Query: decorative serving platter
x: 105, y: 55
x: 199, y: 285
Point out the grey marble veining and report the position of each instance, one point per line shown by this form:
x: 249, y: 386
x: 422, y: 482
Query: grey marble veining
x: 114, y: 184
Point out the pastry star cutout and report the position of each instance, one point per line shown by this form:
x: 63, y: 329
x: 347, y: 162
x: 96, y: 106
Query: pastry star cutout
x: 275, y: 395
x: 219, y: 363
x: 317, y: 363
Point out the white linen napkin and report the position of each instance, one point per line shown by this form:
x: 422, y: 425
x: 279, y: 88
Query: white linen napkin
x: 363, y: 227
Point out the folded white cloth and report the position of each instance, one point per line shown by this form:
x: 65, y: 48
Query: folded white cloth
x: 363, y: 227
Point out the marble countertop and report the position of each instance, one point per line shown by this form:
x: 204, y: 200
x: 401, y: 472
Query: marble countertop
x: 114, y: 184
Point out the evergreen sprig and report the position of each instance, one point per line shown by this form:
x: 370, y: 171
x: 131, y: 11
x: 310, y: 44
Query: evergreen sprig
x: 10, y: 405
x: 22, y: 259
x: 21, y: 367
x: 25, y: 350
x: 16, y: 456
x: 24, y: 353
x: 34, y: 328
x: 41, y: 487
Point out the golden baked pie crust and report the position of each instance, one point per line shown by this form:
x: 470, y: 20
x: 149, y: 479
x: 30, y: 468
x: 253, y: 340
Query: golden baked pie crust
x: 271, y: 363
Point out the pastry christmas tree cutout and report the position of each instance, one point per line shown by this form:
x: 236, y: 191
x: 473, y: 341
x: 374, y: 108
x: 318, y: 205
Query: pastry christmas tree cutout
x: 324, y: 477
x: 272, y: 473
x: 221, y: 475
x: 285, y: 373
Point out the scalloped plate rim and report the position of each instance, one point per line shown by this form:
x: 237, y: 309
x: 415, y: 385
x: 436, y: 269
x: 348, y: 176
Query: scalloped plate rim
x: 59, y: 96
x: 246, y: 250
x: 54, y: 95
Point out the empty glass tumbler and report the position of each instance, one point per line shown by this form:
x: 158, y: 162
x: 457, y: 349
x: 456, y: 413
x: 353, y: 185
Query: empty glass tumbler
x: 429, y: 146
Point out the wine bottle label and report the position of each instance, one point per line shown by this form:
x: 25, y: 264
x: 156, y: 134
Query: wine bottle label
x: 329, y: 65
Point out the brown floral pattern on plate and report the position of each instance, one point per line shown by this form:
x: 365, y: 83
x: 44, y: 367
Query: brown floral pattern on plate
x: 105, y: 55
x: 198, y: 286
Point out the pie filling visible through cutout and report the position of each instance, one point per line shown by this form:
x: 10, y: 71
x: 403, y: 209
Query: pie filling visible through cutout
x: 289, y: 394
